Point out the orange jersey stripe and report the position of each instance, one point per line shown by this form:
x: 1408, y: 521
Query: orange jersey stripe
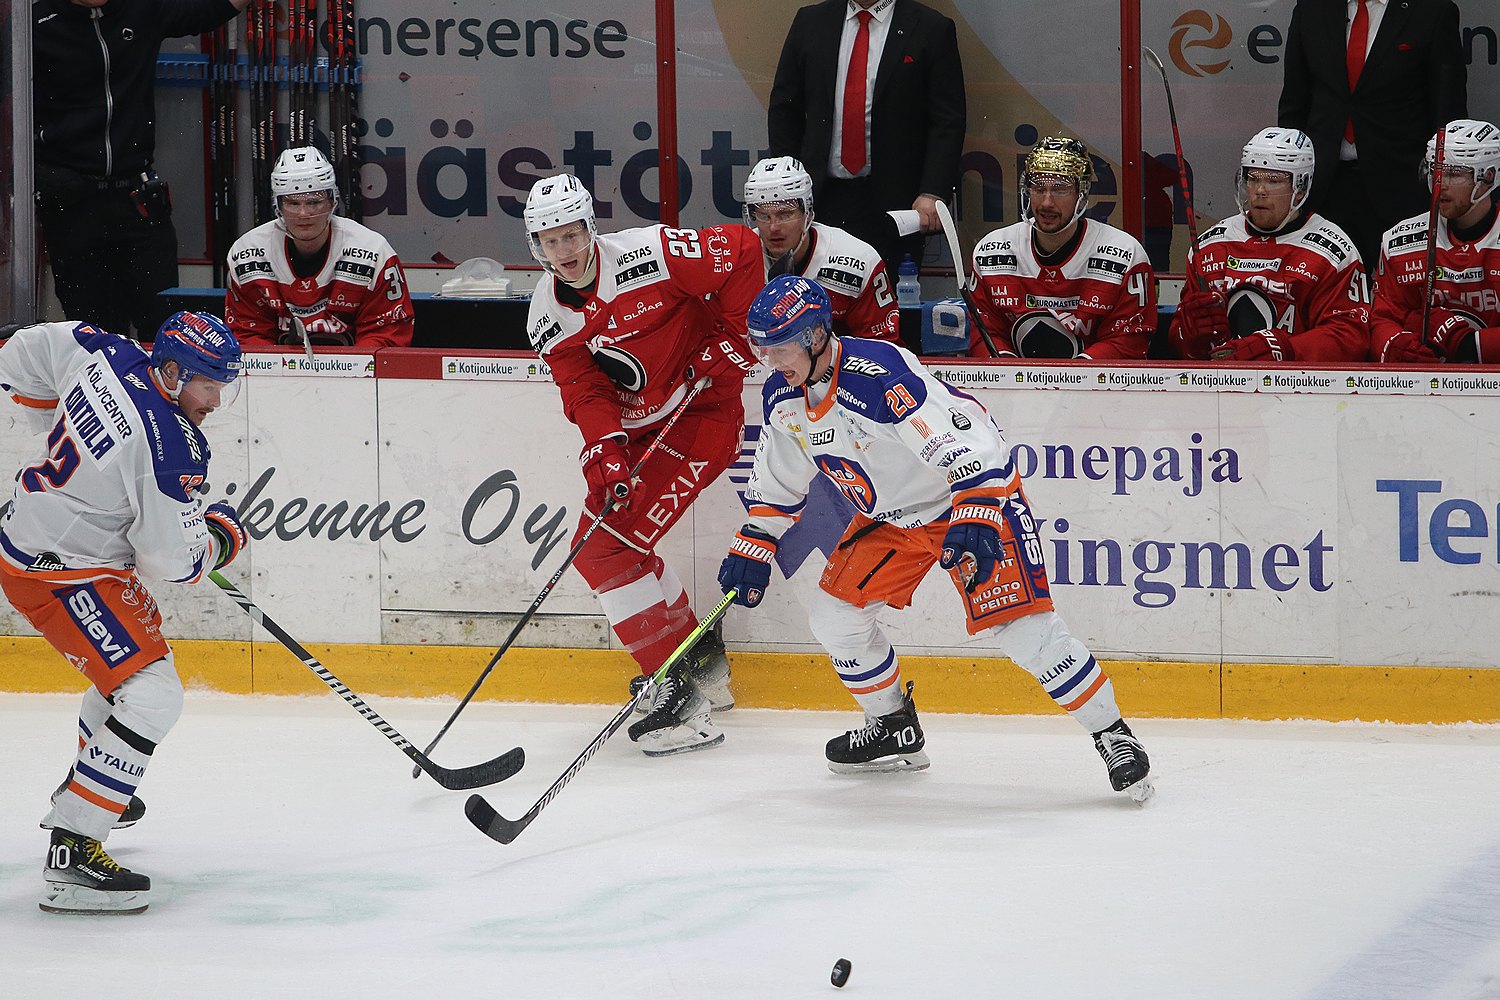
x: 877, y: 687
x: 35, y: 404
x: 1092, y: 690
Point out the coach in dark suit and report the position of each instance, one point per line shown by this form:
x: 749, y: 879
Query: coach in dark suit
x: 1408, y: 80
x: 912, y: 126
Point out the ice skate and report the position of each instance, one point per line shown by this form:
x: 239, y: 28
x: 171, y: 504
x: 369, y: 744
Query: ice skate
x: 82, y: 878
x: 1126, y: 760
x: 679, y: 719
x: 134, y: 809
x: 708, y: 666
x: 891, y: 742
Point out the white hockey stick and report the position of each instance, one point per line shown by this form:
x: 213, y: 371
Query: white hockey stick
x: 950, y: 230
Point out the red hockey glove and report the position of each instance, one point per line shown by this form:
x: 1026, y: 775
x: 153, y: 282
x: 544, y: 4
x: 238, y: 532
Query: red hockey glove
x: 747, y: 567
x: 606, y: 468
x: 1406, y: 348
x: 1448, y: 334
x: 1201, y: 323
x: 974, y: 537
x: 723, y: 360
x: 226, y: 531
x: 1266, y: 345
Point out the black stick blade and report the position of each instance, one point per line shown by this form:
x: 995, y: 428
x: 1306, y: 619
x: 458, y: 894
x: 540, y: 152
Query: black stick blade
x: 477, y: 776
x: 491, y: 823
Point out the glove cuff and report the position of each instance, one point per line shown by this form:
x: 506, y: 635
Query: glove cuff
x: 226, y: 537
x: 983, y: 510
x: 752, y: 543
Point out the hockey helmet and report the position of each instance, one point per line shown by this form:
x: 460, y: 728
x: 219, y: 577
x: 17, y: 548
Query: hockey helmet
x: 1470, y: 144
x: 303, y: 170
x: 1057, y: 156
x: 556, y: 201
x: 776, y: 179
x: 201, y: 345
x: 1284, y: 149
x: 789, y: 310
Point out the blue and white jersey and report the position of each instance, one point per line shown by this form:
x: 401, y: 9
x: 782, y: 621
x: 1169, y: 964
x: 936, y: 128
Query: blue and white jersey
x: 114, y: 488
x: 896, y: 441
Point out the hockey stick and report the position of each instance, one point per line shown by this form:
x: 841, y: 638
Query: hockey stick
x: 476, y: 776
x: 1182, y: 172
x: 950, y: 230
x: 1432, y: 221
x: 497, y: 827
x: 609, y: 505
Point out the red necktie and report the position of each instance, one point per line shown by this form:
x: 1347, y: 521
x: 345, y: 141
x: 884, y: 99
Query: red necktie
x: 853, y: 152
x: 1354, y: 58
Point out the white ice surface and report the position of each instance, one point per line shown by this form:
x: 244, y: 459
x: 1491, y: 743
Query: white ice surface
x: 293, y: 856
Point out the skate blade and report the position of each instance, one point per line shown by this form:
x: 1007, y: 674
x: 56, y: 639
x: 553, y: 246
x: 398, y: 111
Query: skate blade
x: 65, y: 897
x: 1142, y: 791
x: 918, y: 761
x: 667, y: 751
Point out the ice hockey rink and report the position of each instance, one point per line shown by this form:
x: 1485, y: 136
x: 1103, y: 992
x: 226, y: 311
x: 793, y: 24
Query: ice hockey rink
x: 292, y: 855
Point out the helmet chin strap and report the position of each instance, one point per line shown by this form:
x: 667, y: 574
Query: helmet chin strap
x: 171, y: 392
x: 812, y: 359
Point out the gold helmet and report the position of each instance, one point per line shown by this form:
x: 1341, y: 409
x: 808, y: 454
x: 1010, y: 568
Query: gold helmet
x: 1058, y: 156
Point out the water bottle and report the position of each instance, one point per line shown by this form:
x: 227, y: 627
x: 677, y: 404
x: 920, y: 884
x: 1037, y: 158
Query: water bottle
x: 908, y: 287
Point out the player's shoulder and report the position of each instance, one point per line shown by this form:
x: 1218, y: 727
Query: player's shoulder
x: 1230, y: 230
x: 252, y: 255
x: 631, y: 258
x: 842, y: 262
x: 355, y: 236
x: 874, y: 372
x: 1100, y: 238
x: 996, y: 252
x: 547, y: 320
x: 1325, y: 239
x: 1405, y: 236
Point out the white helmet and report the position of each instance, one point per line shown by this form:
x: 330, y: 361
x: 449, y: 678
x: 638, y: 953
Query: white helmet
x: 556, y: 201
x: 1284, y: 149
x: 303, y: 170
x: 779, y: 178
x: 1468, y: 143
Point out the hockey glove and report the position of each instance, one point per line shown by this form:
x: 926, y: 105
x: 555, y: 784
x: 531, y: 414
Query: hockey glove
x: 747, y: 568
x: 1406, y: 348
x: 227, y: 532
x: 1263, y: 345
x: 606, y: 469
x: 723, y: 360
x: 974, y: 537
x: 1449, y: 334
x: 1202, y: 322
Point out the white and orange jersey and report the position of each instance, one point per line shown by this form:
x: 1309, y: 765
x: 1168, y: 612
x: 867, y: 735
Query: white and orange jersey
x: 858, y: 285
x: 894, y: 440
x: 114, y: 488
x: 1099, y: 303
x: 358, y: 298
x: 1467, y: 282
x: 1308, y: 283
x: 620, y: 351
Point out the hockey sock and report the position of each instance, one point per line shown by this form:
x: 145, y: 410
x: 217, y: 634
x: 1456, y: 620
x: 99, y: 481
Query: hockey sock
x: 861, y: 654
x: 648, y: 623
x: 91, y: 714
x: 113, y: 758
x: 1068, y: 672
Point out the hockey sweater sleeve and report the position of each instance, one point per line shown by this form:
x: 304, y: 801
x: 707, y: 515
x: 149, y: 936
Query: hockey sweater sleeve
x: 167, y: 531
x: 782, y: 471
x: 251, y: 310
x: 1338, y: 314
x: 875, y: 314
x: 385, y: 317
x: 36, y: 360
x: 1125, y: 333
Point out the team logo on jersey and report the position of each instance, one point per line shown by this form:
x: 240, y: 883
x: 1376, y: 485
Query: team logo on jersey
x: 850, y: 479
x: 959, y: 420
x: 1042, y: 335
x: 623, y: 368
x: 1249, y: 310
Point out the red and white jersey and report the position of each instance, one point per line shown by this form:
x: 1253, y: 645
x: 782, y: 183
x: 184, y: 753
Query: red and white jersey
x: 358, y: 297
x: 1099, y: 303
x: 1308, y: 283
x: 620, y: 350
x: 114, y: 487
x: 858, y: 285
x: 1467, y: 282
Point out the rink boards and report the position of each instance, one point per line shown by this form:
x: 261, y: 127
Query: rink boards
x: 1238, y: 542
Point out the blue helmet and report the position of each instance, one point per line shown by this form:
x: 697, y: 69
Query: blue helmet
x: 201, y: 344
x: 787, y: 311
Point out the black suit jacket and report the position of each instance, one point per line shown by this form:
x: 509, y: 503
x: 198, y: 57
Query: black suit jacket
x: 917, y: 116
x: 1413, y: 82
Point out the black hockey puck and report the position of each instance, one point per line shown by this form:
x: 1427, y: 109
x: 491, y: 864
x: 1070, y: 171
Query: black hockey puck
x: 840, y: 973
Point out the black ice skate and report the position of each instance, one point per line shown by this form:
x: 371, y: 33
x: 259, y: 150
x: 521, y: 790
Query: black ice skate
x: 886, y: 743
x: 1126, y: 760
x: 707, y: 665
x: 82, y: 878
x: 678, y: 720
x: 134, y: 809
